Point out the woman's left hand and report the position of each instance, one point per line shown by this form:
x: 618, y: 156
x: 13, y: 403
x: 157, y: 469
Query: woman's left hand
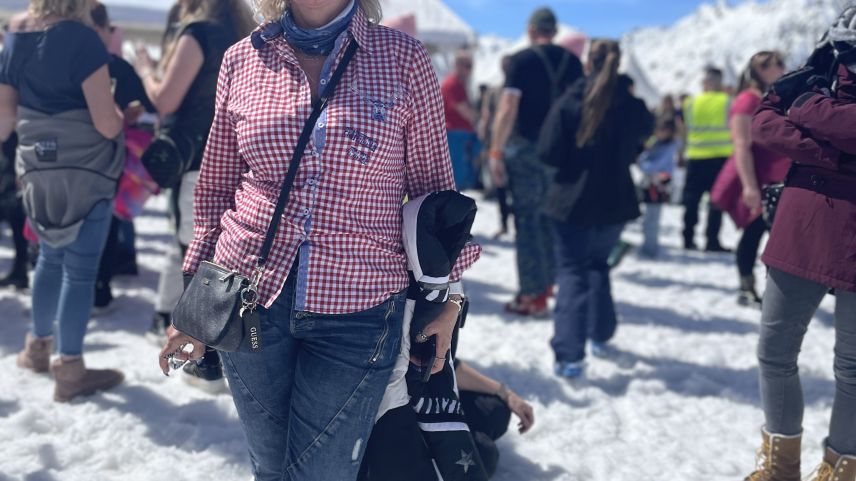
x: 442, y: 327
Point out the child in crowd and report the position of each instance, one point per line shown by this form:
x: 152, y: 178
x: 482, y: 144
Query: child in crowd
x: 657, y: 163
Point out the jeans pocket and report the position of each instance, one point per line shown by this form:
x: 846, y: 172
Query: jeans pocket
x: 385, y: 334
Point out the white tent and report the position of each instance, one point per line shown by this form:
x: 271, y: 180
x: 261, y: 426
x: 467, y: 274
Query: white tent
x: 436, y: 24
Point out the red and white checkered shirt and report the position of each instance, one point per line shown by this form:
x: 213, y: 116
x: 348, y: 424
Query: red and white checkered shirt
x: 384, y: 138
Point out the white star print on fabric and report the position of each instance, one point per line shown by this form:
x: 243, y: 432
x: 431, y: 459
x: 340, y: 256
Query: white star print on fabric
x: 466, y: 461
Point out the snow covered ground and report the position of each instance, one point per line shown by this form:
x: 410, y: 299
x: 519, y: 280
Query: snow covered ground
x: 679, y: 402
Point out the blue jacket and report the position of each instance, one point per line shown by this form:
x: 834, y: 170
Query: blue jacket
x: 659, y: 158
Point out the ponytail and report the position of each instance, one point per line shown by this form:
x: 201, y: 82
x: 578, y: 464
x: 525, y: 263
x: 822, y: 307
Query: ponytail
x: 604, y: 56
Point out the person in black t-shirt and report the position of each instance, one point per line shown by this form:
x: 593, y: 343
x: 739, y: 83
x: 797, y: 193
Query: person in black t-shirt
x: 131, y: 98
x: 535, y: 79
x: 184, y: 96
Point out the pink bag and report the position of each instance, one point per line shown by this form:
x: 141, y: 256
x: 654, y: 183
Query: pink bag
x: 727, y: 195
x: 135, y: 186
x: 30, y: 233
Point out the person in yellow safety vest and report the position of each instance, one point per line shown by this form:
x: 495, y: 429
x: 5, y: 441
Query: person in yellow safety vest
x: 708, y: 146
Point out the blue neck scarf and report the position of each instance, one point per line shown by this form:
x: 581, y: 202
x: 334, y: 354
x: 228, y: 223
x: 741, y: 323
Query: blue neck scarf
x: 316, y: 42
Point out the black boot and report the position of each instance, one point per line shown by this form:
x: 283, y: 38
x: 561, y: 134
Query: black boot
x: 716, y: 247
x: 748, y: 295
x: 103, y: 296
x: 18, y: 278
x: 157, y: 332
x: 206, y: 374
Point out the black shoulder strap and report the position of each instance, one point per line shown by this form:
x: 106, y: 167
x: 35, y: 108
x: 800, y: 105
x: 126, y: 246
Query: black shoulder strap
x: 553, y: 74
x: 308, y: 127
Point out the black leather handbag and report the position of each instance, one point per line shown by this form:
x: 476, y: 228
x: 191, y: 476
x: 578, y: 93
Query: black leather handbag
x: 218, y: 307
x: 170, y: 154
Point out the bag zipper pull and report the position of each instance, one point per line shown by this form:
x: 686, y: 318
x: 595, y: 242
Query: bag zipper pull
x: 250, y: 294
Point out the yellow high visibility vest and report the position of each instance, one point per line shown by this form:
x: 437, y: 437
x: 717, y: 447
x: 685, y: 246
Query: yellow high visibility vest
x: 706, y: 119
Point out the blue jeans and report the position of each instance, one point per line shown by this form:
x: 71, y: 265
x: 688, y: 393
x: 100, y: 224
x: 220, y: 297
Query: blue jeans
x: 464, y: 148
x: 308, y: 400
x: 64, y: 282
x: 584, y: 306
x: 651, y: 230
x: 790, y: 302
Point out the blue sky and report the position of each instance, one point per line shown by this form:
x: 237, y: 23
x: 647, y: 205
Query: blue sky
x: 508, y: 18
x: 596, y: 17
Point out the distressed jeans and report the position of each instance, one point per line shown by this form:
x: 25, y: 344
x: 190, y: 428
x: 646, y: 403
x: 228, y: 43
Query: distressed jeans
x: 790, y: 303
x: 308, y: 400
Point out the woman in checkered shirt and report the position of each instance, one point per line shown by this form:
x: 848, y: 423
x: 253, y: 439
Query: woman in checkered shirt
x: 333, y: 285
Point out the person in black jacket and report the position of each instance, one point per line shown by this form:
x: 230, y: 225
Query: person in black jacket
x: 592, y: 135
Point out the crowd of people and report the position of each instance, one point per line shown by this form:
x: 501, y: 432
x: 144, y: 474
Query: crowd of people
x: 329, y: 311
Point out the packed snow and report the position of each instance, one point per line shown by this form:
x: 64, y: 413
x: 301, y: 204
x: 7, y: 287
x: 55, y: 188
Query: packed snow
x: 679, y: 401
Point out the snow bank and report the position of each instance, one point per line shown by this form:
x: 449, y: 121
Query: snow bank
x: 679, y: 402
x: 672, y: 58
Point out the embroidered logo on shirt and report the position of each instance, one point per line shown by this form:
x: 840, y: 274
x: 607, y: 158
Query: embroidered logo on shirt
x: 358, y: 155
x: 361, y: 138
x: 380, y: 107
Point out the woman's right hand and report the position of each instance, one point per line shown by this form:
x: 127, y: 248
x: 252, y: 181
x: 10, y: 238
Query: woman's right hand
x: 498, y: 174
x: 174, y: 347
x: 752, y: 199
x: 523, y: 410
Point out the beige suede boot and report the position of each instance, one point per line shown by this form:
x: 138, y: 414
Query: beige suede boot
x: 36, y: 355
x: 73, y: 379
x: 835, y: 467
x: 778, y: 458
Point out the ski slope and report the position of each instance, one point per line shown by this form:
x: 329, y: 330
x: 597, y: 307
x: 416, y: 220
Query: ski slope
x: 678, y: 402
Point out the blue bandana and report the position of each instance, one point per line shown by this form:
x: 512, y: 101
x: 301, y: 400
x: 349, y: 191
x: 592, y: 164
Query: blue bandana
x: 320, y: 41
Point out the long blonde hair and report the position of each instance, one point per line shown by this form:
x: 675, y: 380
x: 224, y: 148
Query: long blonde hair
x: 604, y: 56
x: 272, y: 10
x: 234, y: 12
x: 72, y: 9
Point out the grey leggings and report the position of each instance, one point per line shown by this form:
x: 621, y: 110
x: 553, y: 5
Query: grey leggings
x: 790, y: 303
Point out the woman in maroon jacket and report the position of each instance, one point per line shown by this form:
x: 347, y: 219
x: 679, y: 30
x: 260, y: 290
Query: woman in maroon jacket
x: 812, y: 249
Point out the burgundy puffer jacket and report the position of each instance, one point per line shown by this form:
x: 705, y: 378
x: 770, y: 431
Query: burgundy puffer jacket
x: 814, y: 235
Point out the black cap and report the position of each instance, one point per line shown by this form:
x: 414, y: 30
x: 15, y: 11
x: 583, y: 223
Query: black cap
x: 543, y: 20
